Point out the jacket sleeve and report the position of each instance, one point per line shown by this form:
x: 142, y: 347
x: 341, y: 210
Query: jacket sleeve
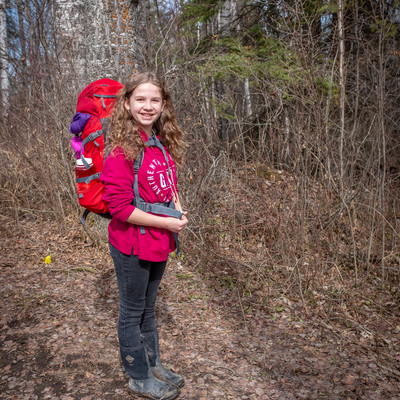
x: 118, y: 177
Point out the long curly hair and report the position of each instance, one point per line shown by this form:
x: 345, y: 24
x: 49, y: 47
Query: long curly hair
x: 125, y: 133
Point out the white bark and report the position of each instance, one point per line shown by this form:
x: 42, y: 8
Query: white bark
x: 342, y: 92
x: 247, y: 97
x: 226, y: 17
x: 98, y: 36
x: 4, y: 84
x: 72, y: 18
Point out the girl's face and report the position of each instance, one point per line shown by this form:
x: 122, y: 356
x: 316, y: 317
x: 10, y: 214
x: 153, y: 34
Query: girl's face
x: 146, y: 105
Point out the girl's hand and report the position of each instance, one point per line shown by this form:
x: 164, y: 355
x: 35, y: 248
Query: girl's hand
x: 176, y: 225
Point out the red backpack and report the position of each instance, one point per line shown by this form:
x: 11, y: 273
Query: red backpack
x: 89, y: 125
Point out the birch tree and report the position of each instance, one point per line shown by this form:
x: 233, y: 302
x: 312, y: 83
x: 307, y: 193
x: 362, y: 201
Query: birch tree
x: 3, y: 58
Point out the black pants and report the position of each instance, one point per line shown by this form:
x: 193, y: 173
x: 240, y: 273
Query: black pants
x: 138, y: 283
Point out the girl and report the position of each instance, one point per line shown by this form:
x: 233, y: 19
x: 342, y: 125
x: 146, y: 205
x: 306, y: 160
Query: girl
x: 140, y: 241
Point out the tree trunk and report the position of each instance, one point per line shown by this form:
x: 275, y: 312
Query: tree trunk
x: 3, y: 60
x: 342, y: 93
x: 100, y: 34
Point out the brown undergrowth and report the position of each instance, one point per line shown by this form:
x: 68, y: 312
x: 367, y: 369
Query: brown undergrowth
x: 255, y: 227
x: 233, y: 332
x: 281, y: 292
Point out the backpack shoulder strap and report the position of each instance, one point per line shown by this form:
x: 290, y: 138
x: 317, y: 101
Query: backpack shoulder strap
x: 136, y: 166
x: 138, y: 162
x: 104, y: 125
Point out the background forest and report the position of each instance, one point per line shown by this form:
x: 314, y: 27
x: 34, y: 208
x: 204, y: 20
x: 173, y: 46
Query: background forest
x: 291, y: 111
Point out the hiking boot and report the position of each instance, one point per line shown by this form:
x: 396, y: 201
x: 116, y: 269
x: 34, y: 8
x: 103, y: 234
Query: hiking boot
x: 153, y: 388
x: 153, y: 355
x: 142, y: 381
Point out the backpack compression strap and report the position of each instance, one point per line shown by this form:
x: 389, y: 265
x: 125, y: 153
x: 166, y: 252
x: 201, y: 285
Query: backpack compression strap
x: 92, y: 137
x: 167, y: 208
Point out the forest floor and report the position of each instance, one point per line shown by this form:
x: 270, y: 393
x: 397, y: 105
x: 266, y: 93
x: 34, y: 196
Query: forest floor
x: 59, y: 340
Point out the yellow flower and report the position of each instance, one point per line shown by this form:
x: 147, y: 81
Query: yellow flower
x: 47, y: 260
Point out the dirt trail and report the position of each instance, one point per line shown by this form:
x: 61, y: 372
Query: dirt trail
x: 59, y: 341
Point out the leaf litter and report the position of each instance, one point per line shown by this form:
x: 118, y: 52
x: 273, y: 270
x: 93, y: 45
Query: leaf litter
x: 59, y: 340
